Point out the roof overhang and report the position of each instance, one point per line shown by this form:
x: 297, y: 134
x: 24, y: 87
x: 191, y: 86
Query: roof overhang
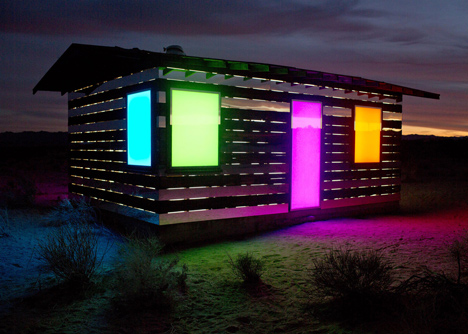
x: 89, y: 65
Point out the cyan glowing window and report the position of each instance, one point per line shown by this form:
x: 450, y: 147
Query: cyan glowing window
x: 139, y: 129
x: 367, y: 126
x: 306, y: 126
x: 195, y: 118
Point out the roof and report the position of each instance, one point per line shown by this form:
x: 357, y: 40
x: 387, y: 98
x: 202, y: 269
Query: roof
x: 83, y: 65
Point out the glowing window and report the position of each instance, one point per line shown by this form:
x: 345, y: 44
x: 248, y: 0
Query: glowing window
x: 195, y: 118
x: 367, y: 126
x: 139, y: 129
x: 306, y: 126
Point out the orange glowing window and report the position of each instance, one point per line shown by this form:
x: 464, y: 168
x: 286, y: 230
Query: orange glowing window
x: 367, y: 126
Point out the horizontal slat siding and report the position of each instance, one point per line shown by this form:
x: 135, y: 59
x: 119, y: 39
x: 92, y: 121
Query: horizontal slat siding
x: 110, y: 115
x: 342, y: 179
x: 254, y: 150
x: 178, y: 205
x: 120, y: 134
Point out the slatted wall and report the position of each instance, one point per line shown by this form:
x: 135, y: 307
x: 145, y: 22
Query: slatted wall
x: 345, y: 183
x: 254, y: 154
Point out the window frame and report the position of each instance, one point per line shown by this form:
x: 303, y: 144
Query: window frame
x: 353, y: 151
x: 153, y: 131
x: 190, y: 169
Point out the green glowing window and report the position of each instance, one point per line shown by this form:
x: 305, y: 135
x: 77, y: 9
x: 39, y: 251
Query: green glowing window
x: 195, y: 118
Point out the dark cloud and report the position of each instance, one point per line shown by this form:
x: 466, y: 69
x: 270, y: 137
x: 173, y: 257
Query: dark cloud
x: 220, y: 17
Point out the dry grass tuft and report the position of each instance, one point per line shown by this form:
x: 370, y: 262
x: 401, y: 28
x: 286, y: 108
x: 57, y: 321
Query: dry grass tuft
x: 144, y: 278
x: 71, y: 253
x: 247, y: 268
x: 352, y: 275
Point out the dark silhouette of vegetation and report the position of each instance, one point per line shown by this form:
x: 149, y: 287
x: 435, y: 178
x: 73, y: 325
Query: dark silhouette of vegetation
x: 71, y: 250
x: 146, y: 279
x: 247, y: 268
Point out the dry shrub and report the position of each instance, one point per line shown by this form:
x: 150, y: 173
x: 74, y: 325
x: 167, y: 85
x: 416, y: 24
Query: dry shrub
x: 359, y: 276
x: 247, y: 268
x: 71, y: 253
x: 436, y: 303
x: 144, y: 278
x: 71, y: 250
x: 458, y: 250
x: 74, y: 211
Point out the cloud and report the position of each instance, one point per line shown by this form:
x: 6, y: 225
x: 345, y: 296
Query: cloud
x: 221, y: 17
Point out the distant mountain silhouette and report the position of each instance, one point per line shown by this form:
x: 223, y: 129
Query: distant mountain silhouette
x: 33, y: 139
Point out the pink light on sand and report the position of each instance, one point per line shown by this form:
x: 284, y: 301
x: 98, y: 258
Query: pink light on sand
x: 306, y: 126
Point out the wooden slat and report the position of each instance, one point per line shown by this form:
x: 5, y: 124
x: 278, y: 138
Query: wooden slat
x: 360, y: 183
x: 229, y: 147
x: 337, y: 120
x: 391, y: 140
x: 185, y: 217
x: 116, y: 187
x: 125, y: 199
x: 330, y: 204
x: 354, y: 174
x: 108, y: 105
x: 336, y: 138
x: 327, y: 157
x: 110, y: 115
x: 99, y: 155
x: 255, y: 114
x: 328, y: 166
x: 110, y: 125
x: 251, y: 125
x: 330, y: 148
x: 125, y: 177
x: 271, y: 138
x: 221, y: 191
x: 183, y: 205
x: 337, y: 130
x: 356, y: 192
x: 252, y: 158
x: 98, y: 164
x: 101, y: 135
x: 213, y: 180
x: 108, y: 145
x: 393, y: 124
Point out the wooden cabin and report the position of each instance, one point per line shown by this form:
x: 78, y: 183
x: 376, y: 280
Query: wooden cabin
x: 214, y: 146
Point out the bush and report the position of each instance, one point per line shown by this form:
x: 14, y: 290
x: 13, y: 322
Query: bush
x: 356, y: 276
x: 246, y: 267
x: 75, y: 211
x: 71, y: 253
x: 458, y: 250
x: 146, y: 279
x: 436, y: 304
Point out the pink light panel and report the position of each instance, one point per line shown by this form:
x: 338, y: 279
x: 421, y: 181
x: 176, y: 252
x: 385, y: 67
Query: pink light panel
x: 306, y: 126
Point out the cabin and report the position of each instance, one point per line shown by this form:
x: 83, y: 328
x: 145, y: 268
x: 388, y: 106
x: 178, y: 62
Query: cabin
x: 200, y: 147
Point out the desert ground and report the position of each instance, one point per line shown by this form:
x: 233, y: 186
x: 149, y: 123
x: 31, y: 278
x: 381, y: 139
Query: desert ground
x: 433, y: 213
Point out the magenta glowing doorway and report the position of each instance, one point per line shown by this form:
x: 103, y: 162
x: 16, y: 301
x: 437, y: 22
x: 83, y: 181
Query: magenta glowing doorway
x: 306, y: 125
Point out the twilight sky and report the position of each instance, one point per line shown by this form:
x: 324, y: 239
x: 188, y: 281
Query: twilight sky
x: 421, y: 44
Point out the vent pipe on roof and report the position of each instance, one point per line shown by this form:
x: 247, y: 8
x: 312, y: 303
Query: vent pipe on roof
x: 175, y: 50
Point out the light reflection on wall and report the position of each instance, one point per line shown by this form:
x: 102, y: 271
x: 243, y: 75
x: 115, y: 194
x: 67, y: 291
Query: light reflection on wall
x: 305, y: 165
x: 139, y: 129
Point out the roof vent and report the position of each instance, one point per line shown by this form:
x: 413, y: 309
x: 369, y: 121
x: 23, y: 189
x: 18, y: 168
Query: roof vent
x: 175, y: 50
